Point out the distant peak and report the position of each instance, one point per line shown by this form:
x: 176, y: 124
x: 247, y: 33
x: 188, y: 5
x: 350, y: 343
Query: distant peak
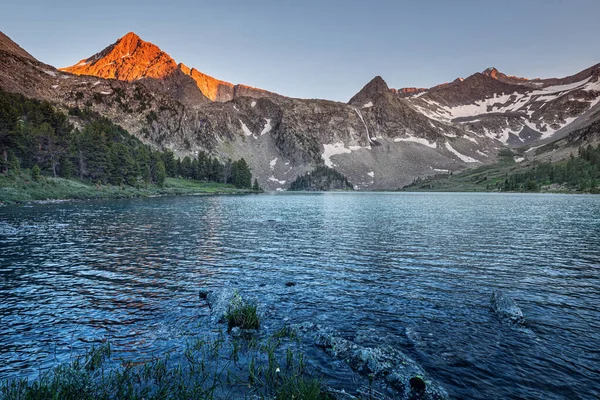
x: 130, y: 37
x: 375, y: 86
x: 378, y: 83
x: 128, y: 59
x: 492, y: 72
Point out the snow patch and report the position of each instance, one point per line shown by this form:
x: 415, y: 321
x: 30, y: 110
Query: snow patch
x: 273, y: 179
x: 364, y: 123
x: 471, y: 139
x: 97, y: 83
x: 247, y: 131
x: 533, y: 148
x: 592, y: 86
x: 331, y: 150
x: 464, y: 158
x: 51, y: 73
x: 105, y: 92
x: 418, y: 140
x: 267, y: 127
x: 272, y: 163
x: 368, y: 105
x: 441, y: 170
x: 253, y: 104
x: 371, y: 174
x: 560, y: 88
x: 519, y: 159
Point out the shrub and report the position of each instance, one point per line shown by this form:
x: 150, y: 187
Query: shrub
x: 36, y: 173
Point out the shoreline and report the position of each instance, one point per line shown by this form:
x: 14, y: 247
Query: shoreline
x: 18, y: 190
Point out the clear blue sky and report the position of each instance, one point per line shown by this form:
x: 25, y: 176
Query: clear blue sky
x: 325, y: 48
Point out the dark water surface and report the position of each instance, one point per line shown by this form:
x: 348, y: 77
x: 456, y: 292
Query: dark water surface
x: 412, y: 270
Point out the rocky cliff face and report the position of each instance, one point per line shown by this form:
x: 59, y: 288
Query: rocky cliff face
x: 380, y: 139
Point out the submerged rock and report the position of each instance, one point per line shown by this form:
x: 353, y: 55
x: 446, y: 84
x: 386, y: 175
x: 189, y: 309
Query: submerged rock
x: 203, y: 294
x: 219, y: 301
x: 385, y: 364
x: 506, y: 308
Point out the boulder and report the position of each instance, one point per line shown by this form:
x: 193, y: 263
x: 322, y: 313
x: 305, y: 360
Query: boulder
x: 506, y: 308
x: 219, y: 301
x: 386, y: 365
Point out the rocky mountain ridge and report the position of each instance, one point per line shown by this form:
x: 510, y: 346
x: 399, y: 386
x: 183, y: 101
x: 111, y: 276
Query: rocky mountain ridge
x: 130, y: 59
x: 380, y: 139
x: 516, y: 111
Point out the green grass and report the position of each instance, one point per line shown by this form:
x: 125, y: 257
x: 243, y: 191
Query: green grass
x: 242, y: 314
x: 217, y: 368
x: 479, y: 179
x: 301, y: 387
x: 19, y: 188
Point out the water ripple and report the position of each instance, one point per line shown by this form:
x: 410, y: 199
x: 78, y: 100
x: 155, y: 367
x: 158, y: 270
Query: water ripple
x: 414, y: 271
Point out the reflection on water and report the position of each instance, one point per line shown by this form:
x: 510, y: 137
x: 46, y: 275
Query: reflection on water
x: 411, y: 270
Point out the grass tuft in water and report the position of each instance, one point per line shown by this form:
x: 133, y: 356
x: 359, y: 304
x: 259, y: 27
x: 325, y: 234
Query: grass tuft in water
x: 208, y: 368
x: 242, y: 314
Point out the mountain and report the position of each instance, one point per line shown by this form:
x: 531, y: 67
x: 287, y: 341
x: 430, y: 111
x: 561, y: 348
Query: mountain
x: 493, y: 73
x: 381, y: 139
x: 8, y: 46
x: 130, y: 59
x: 515, y: 111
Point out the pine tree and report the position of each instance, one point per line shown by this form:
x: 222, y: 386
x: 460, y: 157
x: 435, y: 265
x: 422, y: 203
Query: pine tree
x: 186, y: 167
x: 36, y: 173
x: 161, y: 173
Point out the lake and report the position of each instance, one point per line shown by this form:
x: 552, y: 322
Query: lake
x: 413, y: 270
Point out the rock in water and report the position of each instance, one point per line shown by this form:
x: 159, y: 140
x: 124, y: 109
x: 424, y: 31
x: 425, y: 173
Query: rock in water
x: 218, y: 301
x: 386, y: 365
x: 506, y: 308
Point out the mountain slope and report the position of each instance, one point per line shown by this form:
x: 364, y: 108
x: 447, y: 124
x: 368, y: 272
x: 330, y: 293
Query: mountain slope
x: 130, y: 58
x: 514, y: 110
x: 7, y: 45
x: 381, y: 139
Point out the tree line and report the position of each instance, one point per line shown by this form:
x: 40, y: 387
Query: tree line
x: 34, y: 135
x: 322, y: 178
x: 581, y: 172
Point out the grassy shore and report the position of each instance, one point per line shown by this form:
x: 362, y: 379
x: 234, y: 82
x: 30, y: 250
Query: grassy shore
x: 214, y: 366
x: 218, y: 368
x: 20, y: 188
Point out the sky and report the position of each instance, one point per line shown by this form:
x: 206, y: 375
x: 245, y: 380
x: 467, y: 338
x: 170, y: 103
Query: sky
x: 326, y: 48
